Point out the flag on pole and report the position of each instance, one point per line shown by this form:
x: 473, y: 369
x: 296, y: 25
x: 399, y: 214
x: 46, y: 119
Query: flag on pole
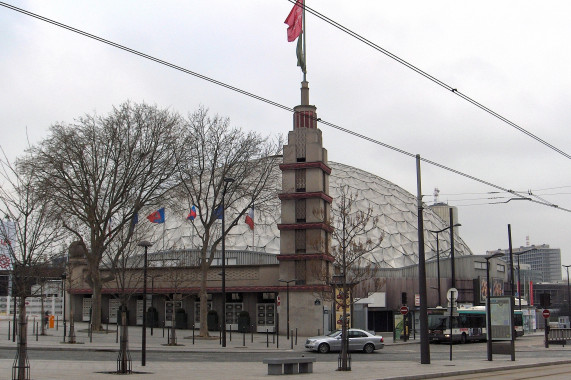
x: 157, y: 216
x: 294, y: 21
x: 250, y: 218
x: 135, y: 219
x: 218, y: 212
x: 192, y: 213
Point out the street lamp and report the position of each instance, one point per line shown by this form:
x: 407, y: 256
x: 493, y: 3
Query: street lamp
x: 146, y: 244
x: 438, y: 258
x: 488, y: 311
x: 287, y: 302
x: 63, y: 277
x: 227, y: 180
x: 568, y: 292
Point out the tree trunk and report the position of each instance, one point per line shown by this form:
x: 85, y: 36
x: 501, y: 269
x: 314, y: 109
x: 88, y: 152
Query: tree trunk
x: 96, y: 306
x: 21, y: 363
x: 124, y: 357
x: 172, y: 339
x: 203, y: 302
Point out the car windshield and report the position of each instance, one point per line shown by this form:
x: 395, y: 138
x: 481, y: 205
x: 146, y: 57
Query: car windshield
x: 334, y: 333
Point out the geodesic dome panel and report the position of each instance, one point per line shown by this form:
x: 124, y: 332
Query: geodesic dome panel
x: 395, y: 207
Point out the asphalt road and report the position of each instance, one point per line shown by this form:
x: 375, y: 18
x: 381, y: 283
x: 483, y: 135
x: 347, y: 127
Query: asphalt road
x: 404, y: 352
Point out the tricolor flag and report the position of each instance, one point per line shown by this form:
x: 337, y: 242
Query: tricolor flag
x: 295, y: 21
x: 250, y: 218
x: 192, y: 213
x: 157, y: 216
x: 295, y: 28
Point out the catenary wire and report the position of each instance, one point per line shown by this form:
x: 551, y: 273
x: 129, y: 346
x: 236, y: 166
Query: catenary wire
x: 275, y: 104
x: 431, y: 78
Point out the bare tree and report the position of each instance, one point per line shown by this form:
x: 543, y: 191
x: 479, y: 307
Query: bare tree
x: 100, y: 172
x: 355, y: 269
x: 215, y: 151
x: 31, y: 237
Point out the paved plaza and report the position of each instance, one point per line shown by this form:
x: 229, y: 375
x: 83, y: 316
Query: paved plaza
x: 88, y: 369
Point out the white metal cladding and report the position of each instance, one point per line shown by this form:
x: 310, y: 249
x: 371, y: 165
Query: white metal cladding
x: 395, y: 207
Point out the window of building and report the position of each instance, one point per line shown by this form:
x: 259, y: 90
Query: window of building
x: 501, y: 268
x: 300, y: 180
x: 479, y: 265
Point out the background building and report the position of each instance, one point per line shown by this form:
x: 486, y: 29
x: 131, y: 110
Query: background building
x: 545, y: 262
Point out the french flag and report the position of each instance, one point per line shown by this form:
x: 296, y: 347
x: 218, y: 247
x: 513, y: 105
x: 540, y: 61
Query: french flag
x: 250, y: 218
x: 192, y: 213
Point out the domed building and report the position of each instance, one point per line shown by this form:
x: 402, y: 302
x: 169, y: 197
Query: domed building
x: 395, y: 208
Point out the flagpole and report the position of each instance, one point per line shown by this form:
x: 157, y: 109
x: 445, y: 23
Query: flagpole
x: 304, y: 48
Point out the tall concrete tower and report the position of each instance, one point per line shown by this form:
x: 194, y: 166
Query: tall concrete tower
x: 305, y: 231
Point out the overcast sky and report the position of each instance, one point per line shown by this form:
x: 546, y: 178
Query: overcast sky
x: 511, y: 56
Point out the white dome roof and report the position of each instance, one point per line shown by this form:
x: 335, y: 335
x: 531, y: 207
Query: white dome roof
x: 395, y: 207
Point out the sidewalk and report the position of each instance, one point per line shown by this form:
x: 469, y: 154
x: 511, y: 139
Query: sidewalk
x: 88, y: 370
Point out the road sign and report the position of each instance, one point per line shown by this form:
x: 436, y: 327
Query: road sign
x: 546, y: 313
x: 452, y: 292
x: 404, y: 310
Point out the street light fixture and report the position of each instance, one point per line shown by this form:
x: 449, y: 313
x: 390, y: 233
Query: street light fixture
x: 227, y: 180
x: 488, y: 311
x: 287, y: 302
x: 438, y: 257
x: 146, y: 244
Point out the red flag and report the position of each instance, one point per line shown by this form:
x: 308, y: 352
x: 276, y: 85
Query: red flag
x: 294, y: 21
x: 250, y: 218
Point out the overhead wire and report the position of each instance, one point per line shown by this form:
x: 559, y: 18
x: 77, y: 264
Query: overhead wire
x: 273, y: 103
x: 431, y: 78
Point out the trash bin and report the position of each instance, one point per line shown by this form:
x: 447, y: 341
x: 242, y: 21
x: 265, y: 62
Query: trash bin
x: 244, y: 322
x: 180, y: 319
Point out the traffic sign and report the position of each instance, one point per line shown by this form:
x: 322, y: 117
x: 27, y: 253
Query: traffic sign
x: 546, y: 313
x: 404, y: 310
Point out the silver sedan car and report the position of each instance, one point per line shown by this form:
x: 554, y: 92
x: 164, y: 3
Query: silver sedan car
x: 359, y: 340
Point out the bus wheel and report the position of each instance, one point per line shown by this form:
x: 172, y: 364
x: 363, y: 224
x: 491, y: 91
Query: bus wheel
x: 463, y: 338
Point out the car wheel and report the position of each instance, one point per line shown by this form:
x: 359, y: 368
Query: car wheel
x: 323, y: 348
x: 463, y: 338
x: 369, y: 348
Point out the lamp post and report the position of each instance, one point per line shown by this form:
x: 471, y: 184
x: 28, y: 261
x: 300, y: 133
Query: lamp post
x: 568, y: 292
x: 227, y: 180
x: 63, y: 277
x: 488, y: 311
x: 146, y: 244
x: 438, y: 258
x: 287, y: 303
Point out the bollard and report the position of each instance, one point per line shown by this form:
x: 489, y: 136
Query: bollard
x: 36, y: 332
x: 9, y: 322
x: 107, y: 331
x: 169, y: 335
x: 193, y: 333
x: 296, y: 336
x: 291, y: 341
x: 267, y: 338
x: 243, y: 339
x: 252, y: 333
x: 220, y: 334
x: 57, y: 322
x: 230, y: 334
x: 34, y: 326
x: 163, y: 330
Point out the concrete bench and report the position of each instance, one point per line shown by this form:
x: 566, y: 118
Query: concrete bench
x: 288, y: 366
